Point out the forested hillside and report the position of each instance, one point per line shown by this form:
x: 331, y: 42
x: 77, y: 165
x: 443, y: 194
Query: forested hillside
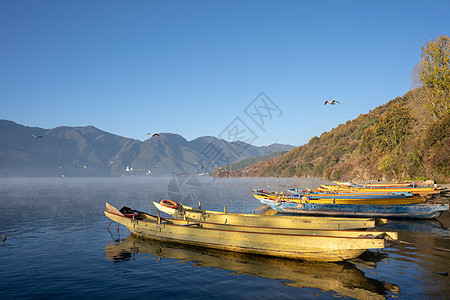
x: 242, y: 164
x: 396, y: 140
x: 408, y: 137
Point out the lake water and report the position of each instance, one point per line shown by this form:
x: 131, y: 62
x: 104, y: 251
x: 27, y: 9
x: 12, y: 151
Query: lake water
x: 57, y: 246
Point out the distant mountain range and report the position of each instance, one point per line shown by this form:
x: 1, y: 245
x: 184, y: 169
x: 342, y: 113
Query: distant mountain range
x: 88, y: 151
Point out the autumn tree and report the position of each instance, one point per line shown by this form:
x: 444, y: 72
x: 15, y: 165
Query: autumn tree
x: 433, y: 72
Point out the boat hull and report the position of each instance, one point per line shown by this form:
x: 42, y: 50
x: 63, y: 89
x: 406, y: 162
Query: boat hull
x: 415, y: 211
x: 319, y: 199
x: 374, y: 184
x: 415, y: 191
x: 232, y: 238
x: 351, y: 282
x: 301, y: 222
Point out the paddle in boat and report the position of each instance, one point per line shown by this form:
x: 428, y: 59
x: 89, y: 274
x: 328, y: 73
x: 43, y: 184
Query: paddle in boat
x: 316, y: 245
x: 184, y: 212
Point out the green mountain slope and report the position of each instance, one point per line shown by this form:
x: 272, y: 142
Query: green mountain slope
x: 242, y: 164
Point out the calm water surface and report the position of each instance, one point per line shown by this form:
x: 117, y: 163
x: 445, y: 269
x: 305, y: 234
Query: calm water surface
x: 57, y: 246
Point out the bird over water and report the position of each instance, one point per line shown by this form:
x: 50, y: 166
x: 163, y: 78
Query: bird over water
x: 332, y: 102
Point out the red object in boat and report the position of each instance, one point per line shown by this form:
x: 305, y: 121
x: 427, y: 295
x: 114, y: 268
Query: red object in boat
x: 169, y: 203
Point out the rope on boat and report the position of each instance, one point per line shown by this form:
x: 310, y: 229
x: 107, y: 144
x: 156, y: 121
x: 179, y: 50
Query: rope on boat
x: 107, y: 227
x: 117, y: 238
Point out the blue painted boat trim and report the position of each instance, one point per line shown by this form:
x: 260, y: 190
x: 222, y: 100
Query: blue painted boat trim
x: 415, y: 211
x: 354, y: 195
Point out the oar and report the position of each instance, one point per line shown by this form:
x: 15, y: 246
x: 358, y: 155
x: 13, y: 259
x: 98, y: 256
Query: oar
x: 113, y: 210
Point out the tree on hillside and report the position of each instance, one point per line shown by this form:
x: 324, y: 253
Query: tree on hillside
x: 383, y: 144
x: 433, y: 72
x: 392, y: 129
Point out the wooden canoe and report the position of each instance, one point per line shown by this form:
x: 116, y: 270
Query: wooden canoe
x: 375, y: 184
x: 415, y: 211
x: 324, y: 192
x: 295, y: 193
x: 184, y: 212
x: 427, y: 190
x: 342, y: 199
x: 316, y: 245
x: 351, y: 281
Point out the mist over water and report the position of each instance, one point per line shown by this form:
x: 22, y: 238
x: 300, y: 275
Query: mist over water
x: 57, y: 245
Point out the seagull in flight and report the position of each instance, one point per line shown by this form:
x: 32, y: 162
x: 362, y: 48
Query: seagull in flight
x: 332, y: 102
x: 37, y: 136
x: 155, y: 134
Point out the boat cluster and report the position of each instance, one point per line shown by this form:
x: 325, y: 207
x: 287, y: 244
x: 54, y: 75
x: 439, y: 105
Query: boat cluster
x: 320, y: 230
x: 394, y: 199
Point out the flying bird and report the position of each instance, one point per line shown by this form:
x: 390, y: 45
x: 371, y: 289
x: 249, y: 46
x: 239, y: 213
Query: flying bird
x: 37, y: 136
x: 155, y: 134
x: 332, y: 102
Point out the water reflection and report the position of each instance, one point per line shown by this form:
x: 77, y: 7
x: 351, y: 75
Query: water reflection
x: 429, y: 226
x: 342, y: 278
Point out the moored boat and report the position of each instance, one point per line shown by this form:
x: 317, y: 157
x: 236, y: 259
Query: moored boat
x: 415, y: 211
x: 351, y: 282
x: 424, y: 190
x: 375, y: 184
x: 336, y: 198
x: 348, y: 192
x: 317, y: 245
x: 184, y: 212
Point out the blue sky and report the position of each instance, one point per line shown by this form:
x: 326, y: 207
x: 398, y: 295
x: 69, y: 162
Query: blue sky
x: 192, y: 67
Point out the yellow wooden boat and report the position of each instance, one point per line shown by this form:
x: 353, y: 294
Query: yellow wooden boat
x: 428, y: 190
x: 340, y: 279
x: 317, y: 245
x: 341, y: 199
x: 376, y: 201
x: 374, y: 184
x: 184, y: 212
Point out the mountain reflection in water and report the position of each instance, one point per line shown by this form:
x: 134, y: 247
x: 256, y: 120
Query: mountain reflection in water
x: 342, y: 278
